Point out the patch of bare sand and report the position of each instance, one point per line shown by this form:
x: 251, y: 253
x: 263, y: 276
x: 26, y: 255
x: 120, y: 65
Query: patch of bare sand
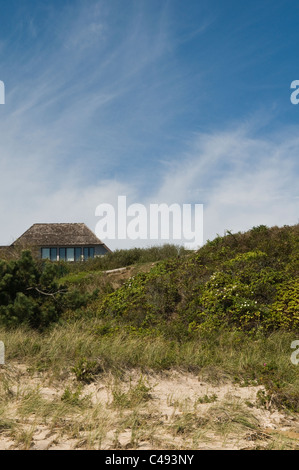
x: 179, y: 410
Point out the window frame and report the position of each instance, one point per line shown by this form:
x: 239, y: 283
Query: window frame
x: 90, y: 249
x: 69, y: 254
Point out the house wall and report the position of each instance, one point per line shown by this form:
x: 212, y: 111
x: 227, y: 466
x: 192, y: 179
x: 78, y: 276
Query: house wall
x: 100, y: 250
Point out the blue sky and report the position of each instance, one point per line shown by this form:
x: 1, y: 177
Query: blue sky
x: 161, y: 101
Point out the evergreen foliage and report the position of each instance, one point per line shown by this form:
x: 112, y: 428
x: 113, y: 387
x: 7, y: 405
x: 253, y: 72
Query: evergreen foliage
x: 30, y: 293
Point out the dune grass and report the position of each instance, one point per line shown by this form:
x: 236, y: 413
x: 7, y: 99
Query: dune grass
x: 77, y: 347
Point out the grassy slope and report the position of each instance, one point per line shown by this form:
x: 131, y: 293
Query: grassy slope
x: 228, y: 311
x: 245, y: 281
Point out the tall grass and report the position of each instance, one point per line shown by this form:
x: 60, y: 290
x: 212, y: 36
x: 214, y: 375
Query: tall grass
x: 226, y: 355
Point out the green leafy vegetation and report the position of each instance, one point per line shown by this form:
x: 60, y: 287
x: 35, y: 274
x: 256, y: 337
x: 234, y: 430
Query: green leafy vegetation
x: 30, y: 293
x: 231, y: 309
x: 245, y: 281
x: 121, y: 258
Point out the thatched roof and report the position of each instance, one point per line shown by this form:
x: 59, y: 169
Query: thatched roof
x: 77, y: 234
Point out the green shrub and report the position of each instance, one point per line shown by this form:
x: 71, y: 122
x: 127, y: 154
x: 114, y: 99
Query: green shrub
x: 86, y: 370
x: 232, y: 282
x: 284, y: 312
x: 30, y: 293
x: 145, y: 299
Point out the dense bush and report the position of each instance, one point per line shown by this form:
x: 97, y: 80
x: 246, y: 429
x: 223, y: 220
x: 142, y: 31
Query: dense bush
x: 29, y: 293
x: 247, y: 281
x: 284, y: 312
x: 145, y: 299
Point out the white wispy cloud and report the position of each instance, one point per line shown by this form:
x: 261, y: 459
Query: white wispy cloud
x: 91, y: 118
x: 243, y: 180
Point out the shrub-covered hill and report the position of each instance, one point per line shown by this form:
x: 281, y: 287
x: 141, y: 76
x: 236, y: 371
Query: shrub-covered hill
x: 231, y: 309
x: 246, y: 280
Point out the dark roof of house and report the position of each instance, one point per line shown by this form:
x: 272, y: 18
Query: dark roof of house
x: 58, y: 235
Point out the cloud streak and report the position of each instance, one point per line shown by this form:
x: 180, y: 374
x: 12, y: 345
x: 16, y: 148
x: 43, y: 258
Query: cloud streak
x: 104, y: 103
x: 242, y: 180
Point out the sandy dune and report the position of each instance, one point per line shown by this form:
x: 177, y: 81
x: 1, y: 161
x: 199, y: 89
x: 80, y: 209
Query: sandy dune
x: 173, y: 410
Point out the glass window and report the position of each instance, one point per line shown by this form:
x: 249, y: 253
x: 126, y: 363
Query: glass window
x: 88, y: 252
x: 53, y: 254
x: 45, y: 253
x: 85, y: 253
x: 70, y: 254
x: 62, y: 254
x: 78, y: 254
